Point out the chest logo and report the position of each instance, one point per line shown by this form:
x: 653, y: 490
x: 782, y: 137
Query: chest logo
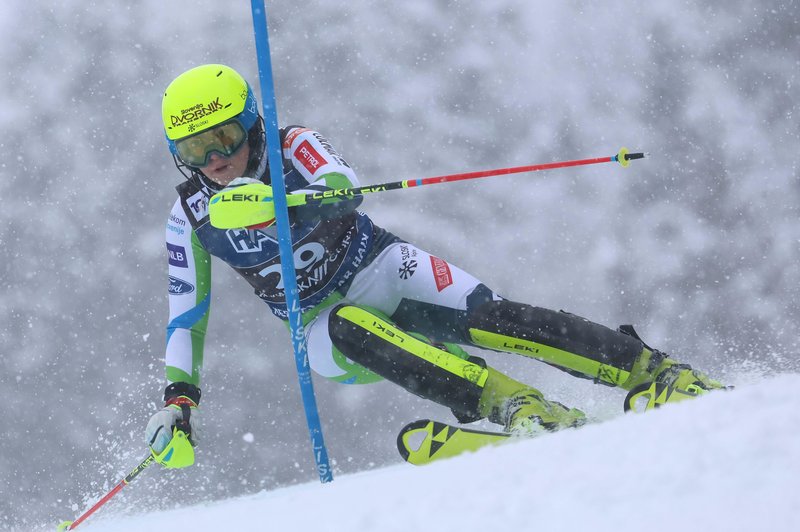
x: 198, y: 204
x: 247, y: 240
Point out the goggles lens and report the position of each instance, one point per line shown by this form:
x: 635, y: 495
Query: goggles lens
x: 224, y: 139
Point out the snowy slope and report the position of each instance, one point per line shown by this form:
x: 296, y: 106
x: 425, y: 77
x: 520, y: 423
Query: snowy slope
x: 730, y: 461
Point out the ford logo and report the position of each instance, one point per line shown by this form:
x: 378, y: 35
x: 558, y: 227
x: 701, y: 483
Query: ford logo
x: 179, y: 287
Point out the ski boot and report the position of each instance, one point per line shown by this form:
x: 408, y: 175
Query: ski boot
x: 523, y: 410
x: 657, y: 379
x: 528, y: 413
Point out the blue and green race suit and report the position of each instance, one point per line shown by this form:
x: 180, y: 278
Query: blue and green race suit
x: 331, y: 244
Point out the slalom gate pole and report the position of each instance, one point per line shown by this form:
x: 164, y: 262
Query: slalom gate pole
x: 285, y: 240
x: 71, y: 525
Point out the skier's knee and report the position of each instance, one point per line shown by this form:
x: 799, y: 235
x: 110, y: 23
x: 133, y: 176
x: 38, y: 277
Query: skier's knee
x: 427, y: 370
x: 349, y: 328
x: 328, y: 361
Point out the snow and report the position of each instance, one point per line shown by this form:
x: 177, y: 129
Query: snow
x: 730, y: 461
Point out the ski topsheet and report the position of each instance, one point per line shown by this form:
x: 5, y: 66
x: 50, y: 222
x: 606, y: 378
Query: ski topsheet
x: 425, y: 441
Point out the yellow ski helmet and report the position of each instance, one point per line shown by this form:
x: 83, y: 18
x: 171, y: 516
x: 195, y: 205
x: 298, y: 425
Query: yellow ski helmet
x: 202, y: 98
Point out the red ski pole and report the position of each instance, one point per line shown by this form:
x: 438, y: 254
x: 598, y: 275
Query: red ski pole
x: 70, y: 525
x: 252, y: 205
x: 623, y: 158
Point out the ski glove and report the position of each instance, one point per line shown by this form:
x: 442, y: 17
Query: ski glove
x: 171, y: 432
x: 245, y: 202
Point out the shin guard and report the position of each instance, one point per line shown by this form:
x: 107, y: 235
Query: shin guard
x: 419, y: 367
x: 565, y: 340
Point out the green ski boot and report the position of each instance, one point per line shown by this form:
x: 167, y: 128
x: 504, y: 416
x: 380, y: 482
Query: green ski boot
x: 657, y: 380
x: 528, y: 413
x: 523, y: 410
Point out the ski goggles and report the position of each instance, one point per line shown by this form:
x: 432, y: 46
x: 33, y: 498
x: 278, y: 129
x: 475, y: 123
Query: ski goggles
x: 224, y: 139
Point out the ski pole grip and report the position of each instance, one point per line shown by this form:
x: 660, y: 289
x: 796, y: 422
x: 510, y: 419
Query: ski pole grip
x: 624, y: 158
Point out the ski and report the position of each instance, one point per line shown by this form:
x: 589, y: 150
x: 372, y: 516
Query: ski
x: 424, y: 441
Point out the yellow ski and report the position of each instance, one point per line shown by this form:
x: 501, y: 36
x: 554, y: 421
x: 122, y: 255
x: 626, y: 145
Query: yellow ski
x: 425, y: 441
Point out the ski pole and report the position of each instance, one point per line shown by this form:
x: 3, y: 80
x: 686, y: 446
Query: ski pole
x: 623, y: 158
x: 252, y: 205
x: 71, y: 525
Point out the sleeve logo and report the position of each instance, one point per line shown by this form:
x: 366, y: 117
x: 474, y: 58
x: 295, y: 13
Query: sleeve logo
x: 198, y: 204
x: 309, y: 157
x: 177, y: 256
x: 441, y: 273
x: 179, y: 287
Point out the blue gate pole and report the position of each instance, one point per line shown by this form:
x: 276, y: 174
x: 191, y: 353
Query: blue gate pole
x: 285, y: 240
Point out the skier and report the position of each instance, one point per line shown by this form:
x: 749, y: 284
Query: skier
x: 374, y: 306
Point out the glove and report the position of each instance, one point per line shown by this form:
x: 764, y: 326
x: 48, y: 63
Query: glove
x: 171, y: 433
x: 245, y: 202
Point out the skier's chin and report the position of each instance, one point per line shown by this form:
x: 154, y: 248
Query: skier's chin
x: 222, y: 176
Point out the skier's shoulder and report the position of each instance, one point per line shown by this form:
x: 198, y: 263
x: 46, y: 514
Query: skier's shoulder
x: 289, y: 134
x: 302, y: 141
x: 307, y: 149
x: 177, y: 215
x: 176, y: 209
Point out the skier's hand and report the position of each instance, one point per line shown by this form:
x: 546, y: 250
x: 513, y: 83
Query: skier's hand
x: 245, y: 202
x: 172, y: 431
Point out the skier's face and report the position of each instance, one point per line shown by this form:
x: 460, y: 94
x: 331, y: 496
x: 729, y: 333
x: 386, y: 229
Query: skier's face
x: 222, y: 170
